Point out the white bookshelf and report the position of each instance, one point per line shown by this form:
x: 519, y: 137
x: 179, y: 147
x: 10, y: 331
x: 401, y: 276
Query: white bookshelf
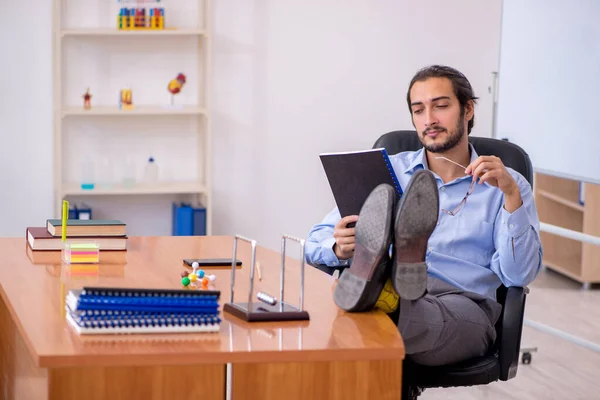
x: 161, y: 188
x: 123, y: 33
x: 112, y: 111
x: 90, y: 51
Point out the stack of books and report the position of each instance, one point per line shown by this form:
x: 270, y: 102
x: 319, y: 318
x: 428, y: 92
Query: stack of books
x: 96, y: 310
x: 107, y: 234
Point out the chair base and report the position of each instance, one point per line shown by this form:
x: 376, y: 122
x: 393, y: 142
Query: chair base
x: 480, y: 371
x: 411, y: 392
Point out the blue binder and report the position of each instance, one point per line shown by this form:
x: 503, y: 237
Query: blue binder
x: 73, y: 212
x: 188, y: 220
x: 82, y: 212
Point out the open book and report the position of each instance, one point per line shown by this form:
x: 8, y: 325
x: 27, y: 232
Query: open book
x: 353, y: 176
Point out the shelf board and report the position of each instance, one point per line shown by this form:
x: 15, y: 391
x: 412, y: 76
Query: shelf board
x: 159, y: 188
x: 138, y: 110
x: 558, y: 199
x: 96, y: 32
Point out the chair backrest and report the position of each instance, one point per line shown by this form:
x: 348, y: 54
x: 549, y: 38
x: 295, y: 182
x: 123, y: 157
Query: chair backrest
x: 511, y: 155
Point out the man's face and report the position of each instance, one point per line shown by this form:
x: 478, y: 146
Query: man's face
x: 436, y: 114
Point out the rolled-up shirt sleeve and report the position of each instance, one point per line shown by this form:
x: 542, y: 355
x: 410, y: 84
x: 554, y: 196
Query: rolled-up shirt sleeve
x: 320, y: 242
x: 518, y: 258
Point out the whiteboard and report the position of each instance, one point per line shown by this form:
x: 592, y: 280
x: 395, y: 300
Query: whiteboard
x: 549, y: 84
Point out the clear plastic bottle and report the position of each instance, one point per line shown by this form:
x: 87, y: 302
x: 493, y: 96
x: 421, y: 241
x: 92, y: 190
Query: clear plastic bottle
x: 151, y: 171
x: 88, y: 178
x: 105, y: 174
x: 128, y: 173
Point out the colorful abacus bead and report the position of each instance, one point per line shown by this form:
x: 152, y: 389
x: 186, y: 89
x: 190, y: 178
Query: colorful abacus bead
x: 192, y: 277
x: 185, y: 281
x: 184, y: 274
x: 195, y: 265
x: 205, y: 281
x: 200, y: 273
x: 212, y: 278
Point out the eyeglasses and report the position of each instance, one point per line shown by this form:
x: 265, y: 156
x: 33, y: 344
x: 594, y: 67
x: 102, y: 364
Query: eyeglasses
x: 464, y: 200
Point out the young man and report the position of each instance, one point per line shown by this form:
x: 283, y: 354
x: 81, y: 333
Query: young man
x: 464, y: 225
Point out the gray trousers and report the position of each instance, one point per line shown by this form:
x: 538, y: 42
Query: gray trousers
x: 447, y: 325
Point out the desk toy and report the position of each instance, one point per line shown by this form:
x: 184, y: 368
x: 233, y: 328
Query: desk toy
x: 197, y: 275
x: 175, y: 86
x: 266, y: 298
x: 140, y: 18
x: 87, y: 100
x: 126, y: 99
x: 269, y: 308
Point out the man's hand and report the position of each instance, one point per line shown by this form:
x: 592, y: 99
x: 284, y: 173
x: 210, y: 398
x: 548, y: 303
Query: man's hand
x: 490, y: 169
x: 344, y: 238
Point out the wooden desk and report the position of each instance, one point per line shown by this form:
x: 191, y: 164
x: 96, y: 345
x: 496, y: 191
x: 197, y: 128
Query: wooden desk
x: 334, y: 355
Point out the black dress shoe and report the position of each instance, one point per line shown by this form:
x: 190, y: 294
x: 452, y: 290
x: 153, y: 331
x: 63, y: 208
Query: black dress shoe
x: 360, y: 285
x: 416, y: 218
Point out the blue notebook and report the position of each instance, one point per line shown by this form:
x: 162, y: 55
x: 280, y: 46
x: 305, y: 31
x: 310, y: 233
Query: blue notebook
x: 353, y: 175
x: 126, y: 310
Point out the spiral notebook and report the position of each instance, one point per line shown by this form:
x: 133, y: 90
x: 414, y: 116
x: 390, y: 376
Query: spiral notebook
x: 125, y: 310
x: 353, y: 175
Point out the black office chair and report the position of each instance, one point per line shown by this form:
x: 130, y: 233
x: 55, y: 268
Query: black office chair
x: 502, y: 361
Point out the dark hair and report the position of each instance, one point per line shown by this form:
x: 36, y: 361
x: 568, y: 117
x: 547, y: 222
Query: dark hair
x: 462, y: 88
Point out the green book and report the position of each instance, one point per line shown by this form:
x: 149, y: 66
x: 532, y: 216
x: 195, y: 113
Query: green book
x: 87, y: 227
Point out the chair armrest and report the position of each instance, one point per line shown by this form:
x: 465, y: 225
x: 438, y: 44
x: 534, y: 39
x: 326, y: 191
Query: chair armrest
x: 510, y: 333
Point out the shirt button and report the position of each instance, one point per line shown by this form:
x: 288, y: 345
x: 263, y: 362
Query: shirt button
x: 429, y: 264
x: 511, y: 226
x: 438, y: 223
x: 442, y: 188
x: 431, y: 249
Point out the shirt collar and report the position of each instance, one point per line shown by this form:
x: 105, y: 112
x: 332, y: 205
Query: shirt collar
x: 420, y: 161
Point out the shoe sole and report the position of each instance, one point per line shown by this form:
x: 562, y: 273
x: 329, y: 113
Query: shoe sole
x: 416, y: 219
x: 359, y: 286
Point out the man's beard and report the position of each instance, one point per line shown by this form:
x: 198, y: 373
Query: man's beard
x: 452, y: 139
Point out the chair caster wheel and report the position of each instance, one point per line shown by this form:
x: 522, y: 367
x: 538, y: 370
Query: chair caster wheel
x: 526, y: 358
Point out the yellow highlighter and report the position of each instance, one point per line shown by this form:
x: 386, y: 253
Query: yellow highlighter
x: 65, y: 214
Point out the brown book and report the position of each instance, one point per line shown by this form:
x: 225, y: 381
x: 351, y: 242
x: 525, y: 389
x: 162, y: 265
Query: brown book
x: 40, y: 239
x: 87, y: 227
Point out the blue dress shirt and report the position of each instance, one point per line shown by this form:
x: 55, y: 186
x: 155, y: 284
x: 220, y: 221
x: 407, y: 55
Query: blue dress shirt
x: 476, y: 250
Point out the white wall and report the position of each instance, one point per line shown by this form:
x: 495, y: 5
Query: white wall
x: 25, y: 116
x: 291, y: 79
x: 296, y: 78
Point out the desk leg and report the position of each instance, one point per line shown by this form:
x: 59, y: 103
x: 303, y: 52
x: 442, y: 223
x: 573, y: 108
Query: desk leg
x: 342, y: 380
